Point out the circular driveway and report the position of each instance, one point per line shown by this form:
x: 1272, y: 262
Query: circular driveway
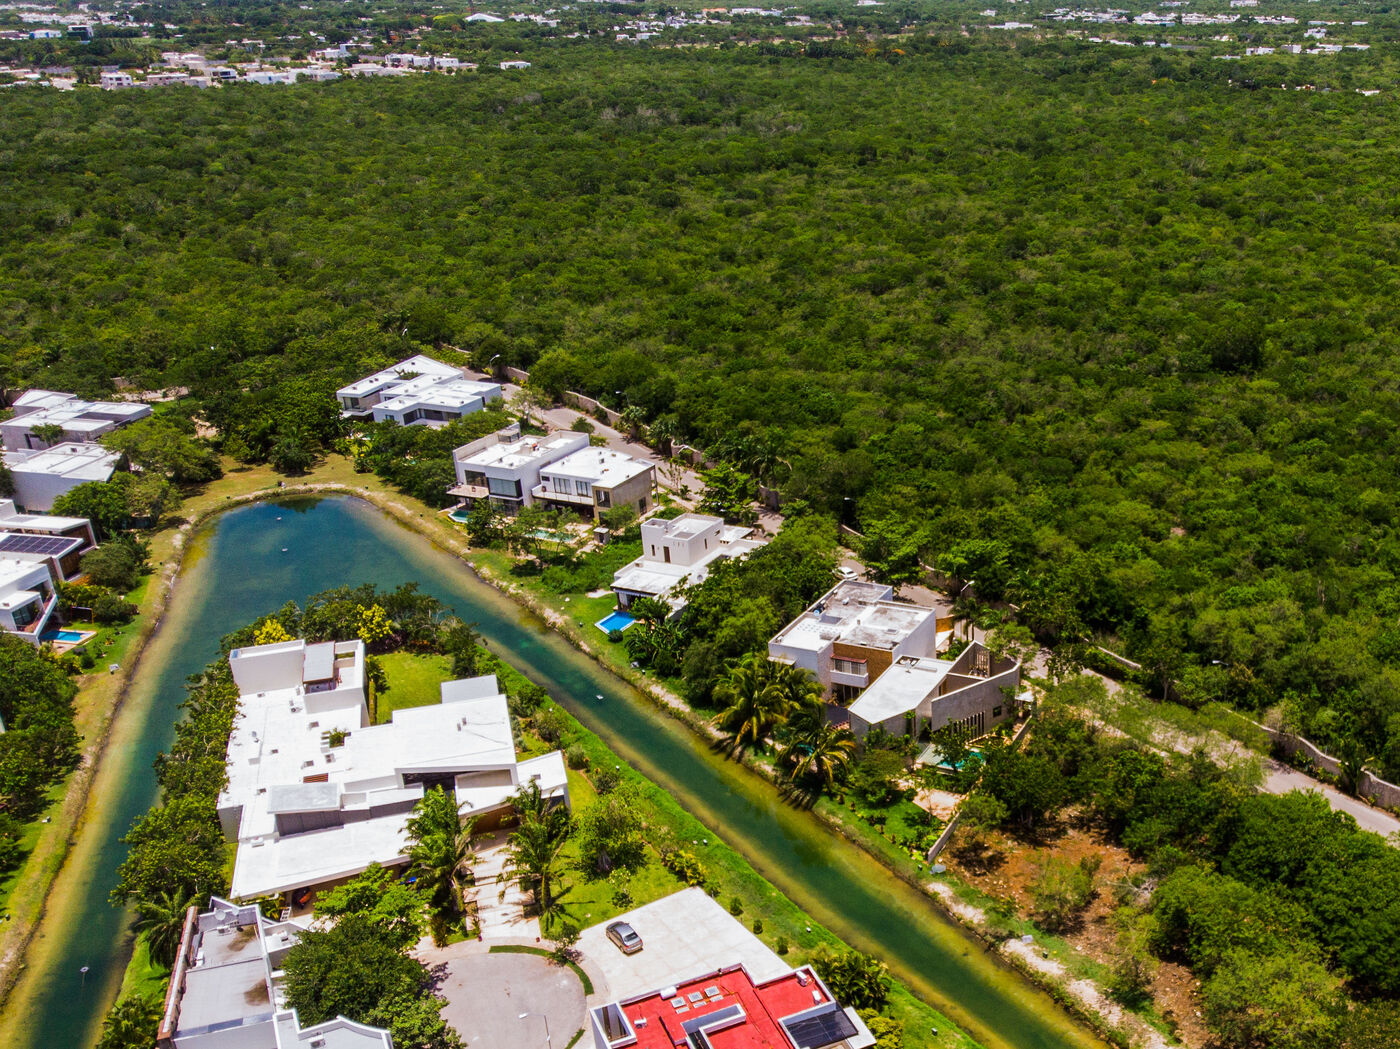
x: 486, y: 993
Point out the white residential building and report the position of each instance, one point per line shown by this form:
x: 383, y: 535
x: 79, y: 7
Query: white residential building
x: 58, y: 542
x: 416, y: 390
x: 41, y: 476
x: 226, y: 989
x: 28, y: 596
x: 677, y: 553
x: 115, y: 81
x: 82, y: 421
x: 316, y: 794
x: 515, y: 64
x: 852, y: 634
x: 505, y: 467
x: 973, y: 693
x: 595, y: 479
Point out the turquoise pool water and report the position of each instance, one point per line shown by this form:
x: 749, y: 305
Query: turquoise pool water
x: 615, y: 621
x: 71, y: 637
x: 460, y: 516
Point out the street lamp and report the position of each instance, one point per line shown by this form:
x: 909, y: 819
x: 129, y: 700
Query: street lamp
x: 545, y: 1018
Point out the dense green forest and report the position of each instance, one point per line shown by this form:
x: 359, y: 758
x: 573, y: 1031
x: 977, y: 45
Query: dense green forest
x: 1100, y: 329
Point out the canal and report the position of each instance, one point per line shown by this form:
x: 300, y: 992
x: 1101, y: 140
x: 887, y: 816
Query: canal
x: 254, y: 559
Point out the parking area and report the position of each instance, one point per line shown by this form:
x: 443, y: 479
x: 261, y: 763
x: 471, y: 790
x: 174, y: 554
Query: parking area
x: 488, y: 993
x: 684, y: 935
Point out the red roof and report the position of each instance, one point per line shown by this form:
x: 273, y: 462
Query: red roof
x: 664, y: 1022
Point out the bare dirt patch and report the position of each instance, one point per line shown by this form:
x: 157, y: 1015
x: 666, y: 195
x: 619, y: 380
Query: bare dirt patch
x: 1011, y: 879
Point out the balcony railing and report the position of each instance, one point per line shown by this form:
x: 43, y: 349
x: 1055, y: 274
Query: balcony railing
x: 549, y: 494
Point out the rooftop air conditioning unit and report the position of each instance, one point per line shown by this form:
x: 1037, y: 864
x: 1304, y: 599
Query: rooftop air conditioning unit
x: 801, y: 978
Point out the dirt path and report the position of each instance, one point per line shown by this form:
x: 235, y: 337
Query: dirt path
x: 1089, y: 996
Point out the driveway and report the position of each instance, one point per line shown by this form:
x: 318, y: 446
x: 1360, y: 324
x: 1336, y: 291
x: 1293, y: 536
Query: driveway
x: 687, y: 934
x: 486, y: 993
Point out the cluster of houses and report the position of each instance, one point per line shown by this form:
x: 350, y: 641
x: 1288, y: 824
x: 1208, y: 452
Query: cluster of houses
x: 877, y: 659
x: 49, y: 449
x: 316, y: 794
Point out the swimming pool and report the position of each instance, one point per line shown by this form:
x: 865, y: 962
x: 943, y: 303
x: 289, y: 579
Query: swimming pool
x: 614, y: 621
x: 460, y: 516
x: 70, y: 637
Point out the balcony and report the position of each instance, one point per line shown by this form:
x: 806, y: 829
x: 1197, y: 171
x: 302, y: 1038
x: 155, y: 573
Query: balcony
x: 550, y: 495
x: 852, y: 672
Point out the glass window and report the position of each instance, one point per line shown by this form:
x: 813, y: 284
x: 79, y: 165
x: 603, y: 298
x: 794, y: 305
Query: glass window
x: 499, y: 486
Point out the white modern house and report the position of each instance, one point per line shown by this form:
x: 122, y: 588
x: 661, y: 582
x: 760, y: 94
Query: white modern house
x: 591, y: 480
x: 58, y: 542
x: 876, y: 658
x: 226, y: 990
x: 28, y: 596
x: 504, y: 467
x: 972, y: 693
x: 316, y: 793
x: 418, y: 390
x: 852, y: 634
x: 677, y: 553
x: 81, y: 421
x: 42, y: 475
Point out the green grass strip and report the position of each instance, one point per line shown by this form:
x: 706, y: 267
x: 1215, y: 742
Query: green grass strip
x: 520, y: 948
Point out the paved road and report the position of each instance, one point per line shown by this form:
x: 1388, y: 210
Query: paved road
x: 1280, y: 779
x: 486, y: 993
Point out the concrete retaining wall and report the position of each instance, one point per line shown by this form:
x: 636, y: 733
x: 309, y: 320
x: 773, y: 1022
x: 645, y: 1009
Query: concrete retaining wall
x: 1369, y: 786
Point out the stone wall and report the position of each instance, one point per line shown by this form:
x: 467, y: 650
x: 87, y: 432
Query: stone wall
x: 1370, y: 786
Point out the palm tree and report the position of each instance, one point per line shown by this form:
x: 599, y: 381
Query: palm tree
x: 132, y: 1024
x: 535, y: 851
x: 442, y: 848
x: 824, y: 752
x: 163, y: 921
x: 757, y: 700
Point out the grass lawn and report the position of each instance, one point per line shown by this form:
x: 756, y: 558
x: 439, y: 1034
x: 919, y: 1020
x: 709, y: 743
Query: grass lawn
x: 786, y: 928
x: 414, y: 681
x: 144, y: 977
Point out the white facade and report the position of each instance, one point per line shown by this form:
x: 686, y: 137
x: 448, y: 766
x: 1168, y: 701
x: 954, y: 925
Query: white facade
x: 41, y: 476
x: 505, y: 467
x: 82, y: 421
x: 115, y: 81
x: 677, y: 553
x: 28, y: 596
x: 418, y: 390
x: 852, y: 633
x: 597, y: 479
x: 226, y: 989
x: 305, y: 812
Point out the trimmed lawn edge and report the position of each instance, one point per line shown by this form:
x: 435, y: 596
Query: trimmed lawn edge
x: 514, y: 948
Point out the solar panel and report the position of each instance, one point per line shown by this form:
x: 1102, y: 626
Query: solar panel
x: 812, y: 1032
x: 48, y: 545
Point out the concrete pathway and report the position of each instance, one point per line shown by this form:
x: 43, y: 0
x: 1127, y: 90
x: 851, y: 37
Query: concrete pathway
x: 499, y: 917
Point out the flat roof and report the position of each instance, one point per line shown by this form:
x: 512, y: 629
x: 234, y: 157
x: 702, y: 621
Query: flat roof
x: 82, y: 462
x: 415, y: 365
x: 43, y: 545
x: 600, y: 466
x: 512, y: 455
x: 901, y: 688
x: 855, y: 613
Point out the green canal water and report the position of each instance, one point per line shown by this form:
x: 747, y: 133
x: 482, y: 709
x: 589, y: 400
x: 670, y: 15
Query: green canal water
x: 254, y: 559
